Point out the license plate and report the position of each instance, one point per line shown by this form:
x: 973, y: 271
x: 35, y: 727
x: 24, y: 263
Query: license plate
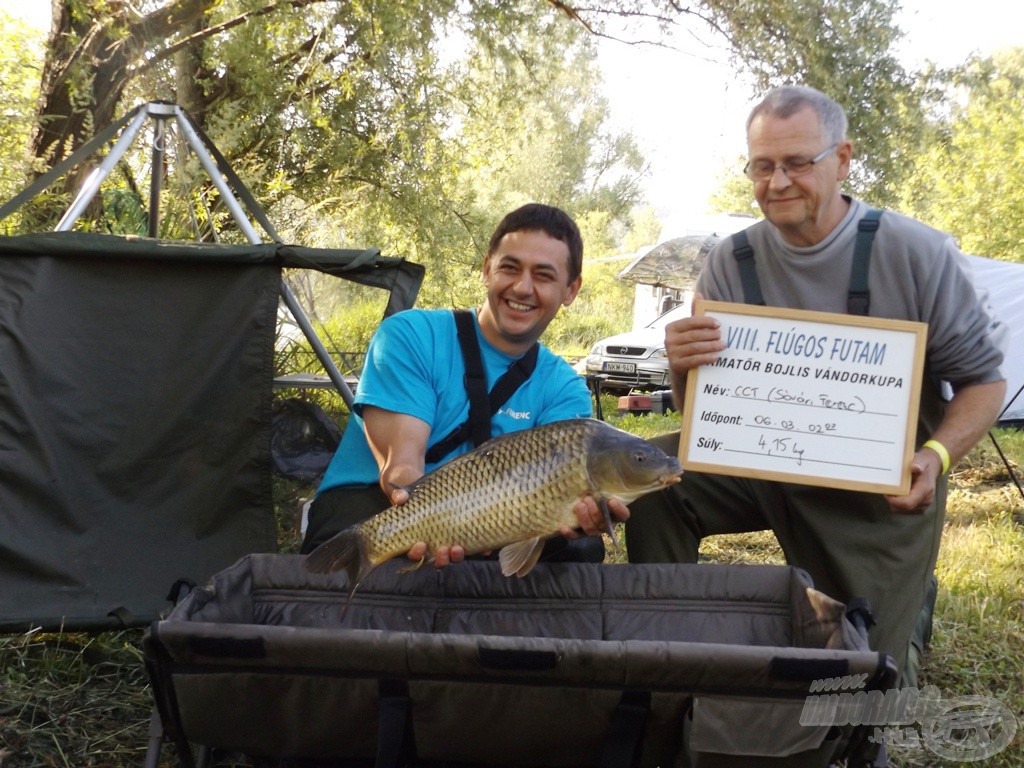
x: 620, y: 367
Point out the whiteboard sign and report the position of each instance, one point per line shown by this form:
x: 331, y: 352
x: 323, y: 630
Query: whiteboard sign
x: 806, y: 397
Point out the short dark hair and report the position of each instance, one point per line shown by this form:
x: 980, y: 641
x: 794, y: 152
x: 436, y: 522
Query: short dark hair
x: 554, y: 222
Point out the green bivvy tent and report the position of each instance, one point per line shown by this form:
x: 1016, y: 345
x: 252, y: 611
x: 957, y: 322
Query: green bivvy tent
x: 135, y: 406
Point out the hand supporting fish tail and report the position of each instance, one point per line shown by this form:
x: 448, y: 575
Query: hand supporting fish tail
x: 602, y: 502
x: 443, y: 556
x: 414, y: 566
x: 598, y: 515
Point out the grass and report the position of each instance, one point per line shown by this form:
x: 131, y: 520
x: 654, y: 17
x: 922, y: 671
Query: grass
x: 79, y: 700
x: 73, y: 700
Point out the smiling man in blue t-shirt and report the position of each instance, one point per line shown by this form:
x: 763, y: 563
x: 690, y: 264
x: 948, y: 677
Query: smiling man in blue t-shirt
x: 412, y: 393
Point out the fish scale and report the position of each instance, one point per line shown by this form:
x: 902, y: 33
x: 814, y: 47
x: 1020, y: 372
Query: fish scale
x: 510, y: 493
x: 527, y: 481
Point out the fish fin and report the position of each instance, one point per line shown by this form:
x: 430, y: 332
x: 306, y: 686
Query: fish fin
x: 413, y: 566
x: 519, y: 558
x: 602, y: 504
x: 344, y: 551
x: 407, y: 487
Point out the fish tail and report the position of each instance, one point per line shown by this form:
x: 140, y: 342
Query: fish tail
x: 345, y: 551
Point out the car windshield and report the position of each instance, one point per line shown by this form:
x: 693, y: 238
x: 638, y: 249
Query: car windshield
x: 677, y: 312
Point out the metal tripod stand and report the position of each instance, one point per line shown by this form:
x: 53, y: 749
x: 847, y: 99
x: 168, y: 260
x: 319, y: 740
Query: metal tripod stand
x: 230, y: 187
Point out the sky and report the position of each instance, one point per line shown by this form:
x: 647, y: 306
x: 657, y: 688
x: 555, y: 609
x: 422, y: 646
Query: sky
x: 686, y: 107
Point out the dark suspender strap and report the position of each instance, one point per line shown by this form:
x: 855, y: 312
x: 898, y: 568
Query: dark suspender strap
x: 744, y: 256
x: 479, y: 422
x: 482, y: 406
x: 858, y: 301
x: 396, y: 741
x: 624, y: 738
x: 509, y: 382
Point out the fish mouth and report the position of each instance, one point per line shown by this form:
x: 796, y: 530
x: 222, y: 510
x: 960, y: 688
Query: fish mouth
x: 670, y: 478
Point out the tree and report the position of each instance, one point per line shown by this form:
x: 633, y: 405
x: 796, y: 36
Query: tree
x: 352, y: 122
x: 734, y: 193
x: 17, y: 99
x: 842, y: 47
x: 520, y: 142
x: 368, y: 120
x: 976, y: 158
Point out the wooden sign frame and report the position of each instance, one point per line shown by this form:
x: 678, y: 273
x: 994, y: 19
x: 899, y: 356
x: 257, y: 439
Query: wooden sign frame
x: 806, y: 397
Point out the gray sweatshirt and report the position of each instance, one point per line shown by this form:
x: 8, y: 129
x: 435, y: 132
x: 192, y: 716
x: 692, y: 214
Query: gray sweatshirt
x: 916, y: 273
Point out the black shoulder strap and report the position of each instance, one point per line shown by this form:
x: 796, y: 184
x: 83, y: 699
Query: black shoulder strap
x: 858, y: 300
x: 744, y: 256
x: 482, y: 406
x: 510, y: 381
x: 476, y: 379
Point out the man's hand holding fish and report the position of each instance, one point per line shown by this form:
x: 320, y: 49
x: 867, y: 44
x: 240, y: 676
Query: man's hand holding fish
x: 587, y: 511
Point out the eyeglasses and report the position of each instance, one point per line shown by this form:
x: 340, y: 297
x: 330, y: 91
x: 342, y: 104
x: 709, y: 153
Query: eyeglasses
x: 762, y: 170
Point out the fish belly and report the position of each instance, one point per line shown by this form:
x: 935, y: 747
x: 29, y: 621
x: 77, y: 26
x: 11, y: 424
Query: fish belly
x: 483, y: 503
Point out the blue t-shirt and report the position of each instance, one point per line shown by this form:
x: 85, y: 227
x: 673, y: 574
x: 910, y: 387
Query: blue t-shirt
x: 414, y: 366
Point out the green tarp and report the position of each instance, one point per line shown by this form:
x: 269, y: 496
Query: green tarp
x: 135, y: 410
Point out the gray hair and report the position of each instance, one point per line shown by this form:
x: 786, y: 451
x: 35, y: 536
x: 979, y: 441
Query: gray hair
x: 785, y: 101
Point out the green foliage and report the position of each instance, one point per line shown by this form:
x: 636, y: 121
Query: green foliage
x: 975, y: 159
x: 645, y: 229
x: 533, y: 127
x: 412, y: 127
x: 945, y: 147
x: 602, y: 307
x: 345, y: 335
x: 734, y: 193
x: 645, y: 425
x: 19, y: 72
x: 844, y: 48
x: 352, y: 329
x: 517, y: 142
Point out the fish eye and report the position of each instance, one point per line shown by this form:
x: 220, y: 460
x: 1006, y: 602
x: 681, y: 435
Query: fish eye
x: 639, y: 457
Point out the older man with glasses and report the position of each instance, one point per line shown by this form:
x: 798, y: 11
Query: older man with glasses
x: 854, y: 544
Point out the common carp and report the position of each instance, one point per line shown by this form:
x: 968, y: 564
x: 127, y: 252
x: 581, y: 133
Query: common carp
x: 509, y: 494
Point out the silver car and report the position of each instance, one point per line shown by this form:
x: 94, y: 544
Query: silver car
x: 636, y: 359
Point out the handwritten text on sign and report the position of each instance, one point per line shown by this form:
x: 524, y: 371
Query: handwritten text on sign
x: 806, y: 397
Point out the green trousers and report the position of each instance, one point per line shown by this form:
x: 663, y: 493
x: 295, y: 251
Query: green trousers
x: 851, y: 543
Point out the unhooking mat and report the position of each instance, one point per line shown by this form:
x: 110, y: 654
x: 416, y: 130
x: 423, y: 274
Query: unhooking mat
x: 573, y: 665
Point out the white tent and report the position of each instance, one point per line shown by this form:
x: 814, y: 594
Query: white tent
x: 1004, y: 283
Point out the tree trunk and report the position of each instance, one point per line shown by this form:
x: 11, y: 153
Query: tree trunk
x: 90, y: 61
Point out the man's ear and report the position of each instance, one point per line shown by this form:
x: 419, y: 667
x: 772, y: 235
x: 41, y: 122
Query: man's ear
x: 574, y: 289
x: 845, y: 154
